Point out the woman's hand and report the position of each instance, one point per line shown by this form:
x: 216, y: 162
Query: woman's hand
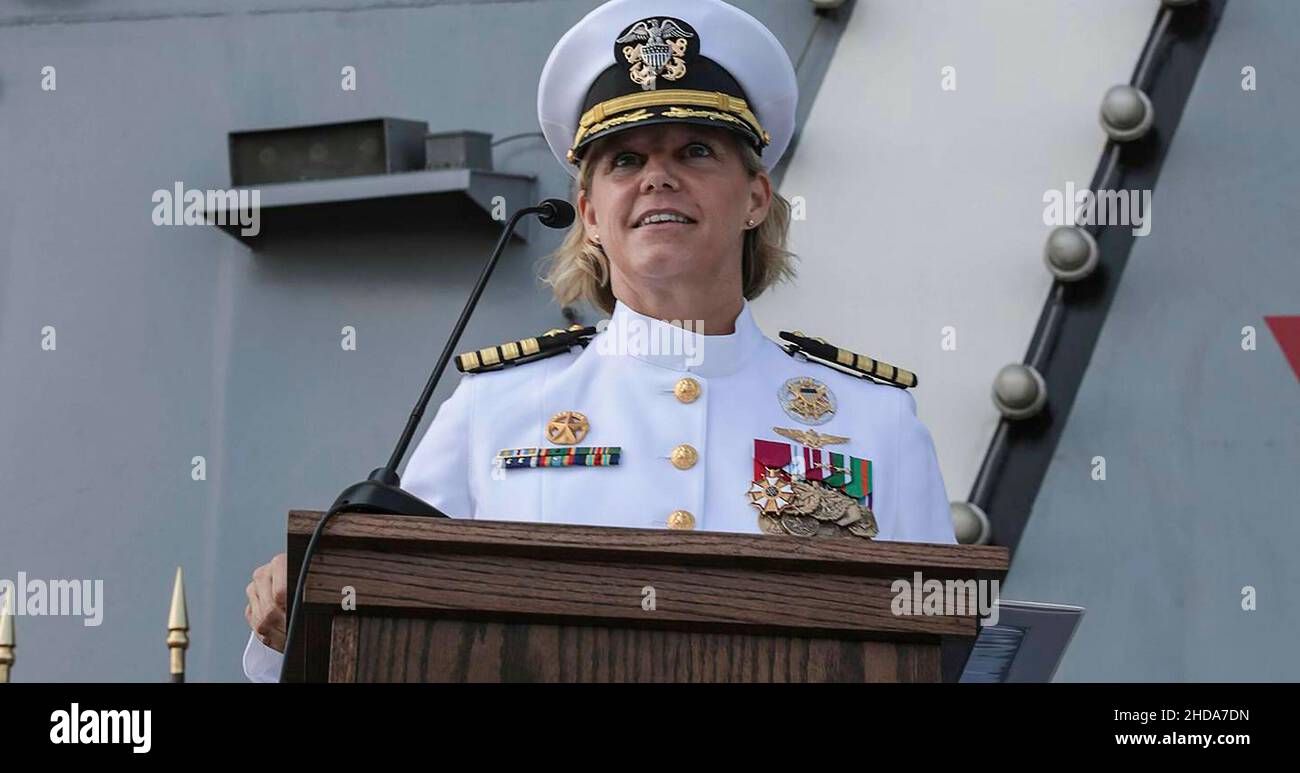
x: 267, y: 599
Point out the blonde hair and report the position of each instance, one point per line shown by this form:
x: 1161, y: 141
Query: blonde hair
x: 579, y: 269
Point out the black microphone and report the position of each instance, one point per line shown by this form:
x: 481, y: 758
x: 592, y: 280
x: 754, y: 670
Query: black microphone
x: 559, y: 214
x: 382, y: 491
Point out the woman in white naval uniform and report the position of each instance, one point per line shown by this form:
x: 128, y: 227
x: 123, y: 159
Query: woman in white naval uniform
x: 658, y: 421
x: 685, y: 431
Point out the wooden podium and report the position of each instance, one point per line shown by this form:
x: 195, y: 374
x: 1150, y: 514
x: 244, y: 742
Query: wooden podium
x: 494, y: 601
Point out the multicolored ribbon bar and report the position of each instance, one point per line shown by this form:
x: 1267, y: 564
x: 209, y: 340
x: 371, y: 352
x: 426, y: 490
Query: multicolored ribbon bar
x: 577, y: 456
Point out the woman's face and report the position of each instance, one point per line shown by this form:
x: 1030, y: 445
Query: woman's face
x: 690, y: 171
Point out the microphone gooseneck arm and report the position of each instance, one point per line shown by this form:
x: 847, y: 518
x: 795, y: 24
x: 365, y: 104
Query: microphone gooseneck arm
x: 382, y: 492
x: 547, y: 210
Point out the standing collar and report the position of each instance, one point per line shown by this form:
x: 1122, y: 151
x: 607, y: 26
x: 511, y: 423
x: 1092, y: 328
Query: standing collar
x: 680, y: 347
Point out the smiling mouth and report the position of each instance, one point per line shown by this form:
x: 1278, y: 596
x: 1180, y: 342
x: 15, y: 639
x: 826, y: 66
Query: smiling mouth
x: 665, y: 224
x: 665, y: 218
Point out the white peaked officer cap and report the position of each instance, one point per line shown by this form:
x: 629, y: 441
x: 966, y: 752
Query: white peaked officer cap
x: 633, y: 63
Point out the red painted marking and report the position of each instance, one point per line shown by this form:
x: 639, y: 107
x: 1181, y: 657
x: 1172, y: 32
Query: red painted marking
x: 1287, y: 332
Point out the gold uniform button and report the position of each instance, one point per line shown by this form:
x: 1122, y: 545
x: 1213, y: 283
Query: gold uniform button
x: 685, y: 456
x: 687, y: 390
x: 681, y: 519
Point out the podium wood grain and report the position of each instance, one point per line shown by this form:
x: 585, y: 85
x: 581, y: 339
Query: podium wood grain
x: 460, y: 600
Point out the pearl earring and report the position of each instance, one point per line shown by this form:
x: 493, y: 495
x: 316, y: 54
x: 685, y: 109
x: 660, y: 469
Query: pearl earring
x: 750, y: 223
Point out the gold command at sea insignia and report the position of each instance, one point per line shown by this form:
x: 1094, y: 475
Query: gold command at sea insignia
x: 567, y: 428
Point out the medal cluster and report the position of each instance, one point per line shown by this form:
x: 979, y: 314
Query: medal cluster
x: 804, y: 508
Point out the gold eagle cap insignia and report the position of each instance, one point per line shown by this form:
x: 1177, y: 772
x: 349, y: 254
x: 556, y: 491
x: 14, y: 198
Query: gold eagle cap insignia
x: 655, y: 48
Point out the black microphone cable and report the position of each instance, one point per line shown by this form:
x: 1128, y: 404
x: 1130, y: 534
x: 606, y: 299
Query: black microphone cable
x: 296, y: 602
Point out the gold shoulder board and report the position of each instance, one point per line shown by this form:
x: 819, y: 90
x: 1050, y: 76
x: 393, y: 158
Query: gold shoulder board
x: 819, y: 350
x: 510, y: 353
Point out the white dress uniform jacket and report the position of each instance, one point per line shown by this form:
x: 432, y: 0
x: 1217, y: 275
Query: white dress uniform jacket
x: 625, y: 382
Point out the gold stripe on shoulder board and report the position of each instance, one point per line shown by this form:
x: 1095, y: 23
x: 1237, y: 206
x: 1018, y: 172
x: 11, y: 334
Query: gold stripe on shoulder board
x: 822, y: 351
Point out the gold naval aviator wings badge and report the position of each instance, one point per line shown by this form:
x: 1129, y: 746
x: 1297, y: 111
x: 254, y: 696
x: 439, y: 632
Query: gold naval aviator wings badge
x: 810, y: 437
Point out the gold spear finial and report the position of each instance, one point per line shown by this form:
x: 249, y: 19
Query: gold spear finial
x: 7, y: 635
x: 178, y: 627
